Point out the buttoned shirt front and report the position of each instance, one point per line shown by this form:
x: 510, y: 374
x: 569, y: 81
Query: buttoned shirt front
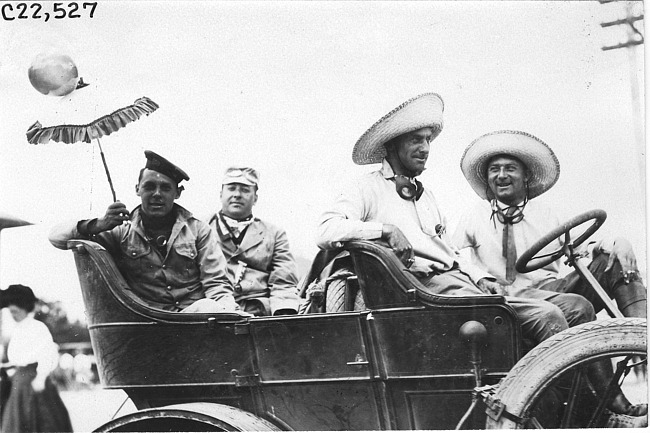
x: 481, y: 233
x: 372, y: 201
x: 193, y: 267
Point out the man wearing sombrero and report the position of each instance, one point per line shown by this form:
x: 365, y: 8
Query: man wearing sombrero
x: 392, y: 205
x: 508, y: 169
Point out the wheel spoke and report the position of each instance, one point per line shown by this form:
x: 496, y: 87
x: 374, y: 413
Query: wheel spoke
x: 568, y: 380
x: 569, y: 410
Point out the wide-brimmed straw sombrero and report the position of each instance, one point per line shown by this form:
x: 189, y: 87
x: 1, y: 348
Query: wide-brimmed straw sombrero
x: 543, y: 166
x: 420, y: 112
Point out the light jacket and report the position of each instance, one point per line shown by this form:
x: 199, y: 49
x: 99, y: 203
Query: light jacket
x: 267, y: 268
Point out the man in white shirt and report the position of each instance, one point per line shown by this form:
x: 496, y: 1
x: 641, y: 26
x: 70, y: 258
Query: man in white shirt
x: 508, y: 169
x: 392, y: 205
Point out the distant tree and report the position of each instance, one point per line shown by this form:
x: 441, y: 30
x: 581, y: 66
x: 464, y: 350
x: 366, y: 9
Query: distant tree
x: 56, y: 319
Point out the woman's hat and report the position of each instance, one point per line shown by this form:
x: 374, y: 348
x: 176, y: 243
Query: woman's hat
x: 16, y: 294
x: 420, y: 112
x: 542, y: 164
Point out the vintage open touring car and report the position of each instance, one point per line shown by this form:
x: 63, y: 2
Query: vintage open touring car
x: 375, y: 352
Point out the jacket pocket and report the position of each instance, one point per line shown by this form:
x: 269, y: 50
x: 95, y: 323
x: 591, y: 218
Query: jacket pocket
x: 186, y: 255
x: 134, y: 259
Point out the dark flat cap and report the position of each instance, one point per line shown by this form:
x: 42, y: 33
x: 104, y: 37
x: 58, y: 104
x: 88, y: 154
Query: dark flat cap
x: 157, y: 163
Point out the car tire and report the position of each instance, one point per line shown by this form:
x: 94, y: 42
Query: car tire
x: 525, y: 386
x: 335, y: 297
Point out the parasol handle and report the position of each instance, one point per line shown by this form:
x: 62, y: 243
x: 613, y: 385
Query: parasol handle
x: 108, y: 175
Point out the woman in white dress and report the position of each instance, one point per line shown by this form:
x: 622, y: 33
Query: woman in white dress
x: 34, y: 404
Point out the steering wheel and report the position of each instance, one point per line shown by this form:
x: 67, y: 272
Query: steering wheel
x: 524, y: 264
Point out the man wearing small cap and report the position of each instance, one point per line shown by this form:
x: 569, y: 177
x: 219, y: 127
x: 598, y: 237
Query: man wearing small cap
x: 259, y: 262
x: 392, y: 205
x: 169, y: 258
x: 508, y: 169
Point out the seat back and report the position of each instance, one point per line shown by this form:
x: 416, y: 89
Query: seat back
x: 108, y: 298
x: 386, y: 282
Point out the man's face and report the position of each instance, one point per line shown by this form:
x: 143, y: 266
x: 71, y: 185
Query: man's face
x: 237, y: 200
x: 507, y: 178
x: 412, y: 150
x: 157, y: 193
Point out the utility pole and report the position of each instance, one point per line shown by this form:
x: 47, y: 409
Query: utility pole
x: 634, y: 38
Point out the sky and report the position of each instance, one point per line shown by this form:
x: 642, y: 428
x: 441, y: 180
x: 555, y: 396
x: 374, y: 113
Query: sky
x: 289, y: 87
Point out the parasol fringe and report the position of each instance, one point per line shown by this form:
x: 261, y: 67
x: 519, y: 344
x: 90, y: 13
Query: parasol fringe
x: 105, y: 125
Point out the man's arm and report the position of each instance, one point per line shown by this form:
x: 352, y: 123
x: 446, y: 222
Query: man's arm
x: 115, y: 215
x: 283, y: 277
x: 212, y: 265
x: 346, y: 221
x: 464, y: 238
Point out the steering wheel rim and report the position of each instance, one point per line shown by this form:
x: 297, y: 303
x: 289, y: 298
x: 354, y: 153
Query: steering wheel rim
x: 523, y: 264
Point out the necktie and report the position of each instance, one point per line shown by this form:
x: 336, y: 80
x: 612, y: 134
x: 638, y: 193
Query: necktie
x: 508, y: 243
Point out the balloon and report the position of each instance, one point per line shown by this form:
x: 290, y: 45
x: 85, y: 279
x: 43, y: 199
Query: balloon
x: 53, y: 74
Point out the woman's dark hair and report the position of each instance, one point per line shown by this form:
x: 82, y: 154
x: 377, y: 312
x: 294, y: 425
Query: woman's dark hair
x: 18, y: 295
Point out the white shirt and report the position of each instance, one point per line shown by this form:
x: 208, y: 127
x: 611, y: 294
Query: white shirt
x: 372, y: 201
x: 32, y: 342
x: 484, y: 237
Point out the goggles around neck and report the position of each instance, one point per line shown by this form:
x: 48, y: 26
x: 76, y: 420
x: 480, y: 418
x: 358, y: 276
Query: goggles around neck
x: 408, y: 188
x: 510, y: 214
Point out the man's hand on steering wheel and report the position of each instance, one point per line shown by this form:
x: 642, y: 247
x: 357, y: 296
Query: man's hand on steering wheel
x: 398, y: 242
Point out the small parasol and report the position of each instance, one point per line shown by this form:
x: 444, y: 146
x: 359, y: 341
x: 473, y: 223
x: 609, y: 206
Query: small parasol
x: 78, y: 116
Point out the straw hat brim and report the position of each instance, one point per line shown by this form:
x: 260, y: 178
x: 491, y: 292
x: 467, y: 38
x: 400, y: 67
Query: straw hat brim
x: 542, y: 164
x: 420, y: 112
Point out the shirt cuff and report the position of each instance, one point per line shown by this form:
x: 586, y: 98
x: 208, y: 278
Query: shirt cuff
x: 86, y: 227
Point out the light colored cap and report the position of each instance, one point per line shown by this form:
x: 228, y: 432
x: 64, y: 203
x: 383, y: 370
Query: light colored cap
x: 542, y: 164
x: 420, y: 112
x: 243, y: 175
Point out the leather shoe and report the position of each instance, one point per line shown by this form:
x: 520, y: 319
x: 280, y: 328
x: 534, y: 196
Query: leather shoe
x: 637, y: 410
x: 617, y: 420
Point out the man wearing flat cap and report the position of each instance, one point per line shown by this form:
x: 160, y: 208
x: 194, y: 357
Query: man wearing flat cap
x: 169, y: 258
x: 508, y: 169
x: 391, y: 204
x: 259, y: 262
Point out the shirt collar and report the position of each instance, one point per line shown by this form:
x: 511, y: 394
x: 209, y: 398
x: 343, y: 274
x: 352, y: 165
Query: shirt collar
x: 182, y: 218
x: 386, y: 170
x: 504, y: 206
x: 234, y: 227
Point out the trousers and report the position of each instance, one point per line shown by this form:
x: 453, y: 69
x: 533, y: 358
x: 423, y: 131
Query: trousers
x: 539, y: 319
x: 631, y: 297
